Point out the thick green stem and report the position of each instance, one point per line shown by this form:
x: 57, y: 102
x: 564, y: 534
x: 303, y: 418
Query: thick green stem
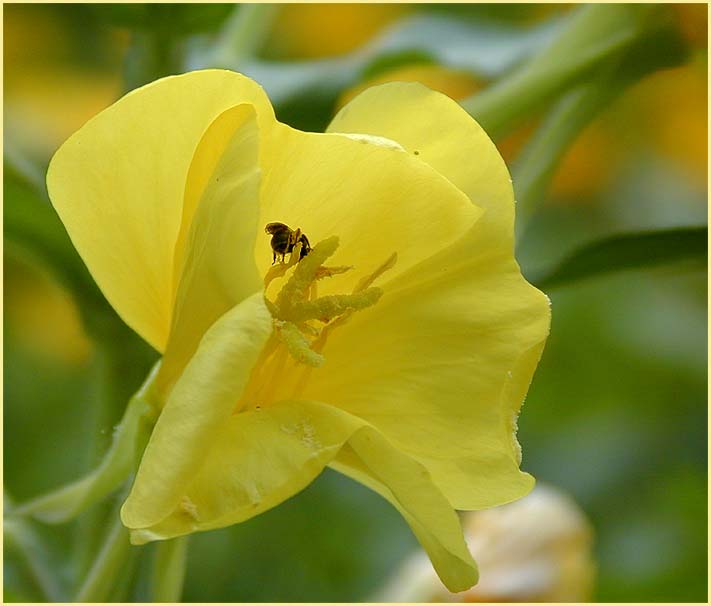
x: 595, y: 35
x: 534, y: 169
x: 129, y: 440
x: 108, y: 565
x: 106, y: 404
x: 537, y: 164
x: 169, y: 570
x: 243, y: 34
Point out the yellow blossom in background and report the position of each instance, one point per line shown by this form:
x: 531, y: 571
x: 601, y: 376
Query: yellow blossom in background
x: 46, y: 97
x: 398, y: 351
x: 317, y: 30
x: 538, y: 549
x: 681, y: 135
x: 455, y: 83
x: 693, y: 23
x: 40, y: 313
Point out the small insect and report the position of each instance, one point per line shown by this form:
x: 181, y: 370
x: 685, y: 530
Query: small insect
x: 284, y: 239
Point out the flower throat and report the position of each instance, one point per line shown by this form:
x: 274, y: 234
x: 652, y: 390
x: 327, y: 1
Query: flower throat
x: 303, y: 321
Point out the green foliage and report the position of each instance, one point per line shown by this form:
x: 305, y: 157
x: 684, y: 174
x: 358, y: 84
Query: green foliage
x: 628, y: 251
x: 182, y: 19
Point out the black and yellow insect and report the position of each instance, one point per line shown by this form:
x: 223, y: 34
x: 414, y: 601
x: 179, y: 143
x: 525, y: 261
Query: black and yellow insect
x: 284, y: 239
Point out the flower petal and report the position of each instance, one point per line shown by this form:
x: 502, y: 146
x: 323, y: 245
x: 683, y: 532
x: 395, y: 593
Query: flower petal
x: 444, y: 136
x: 440, y: 367
x: 375, y: 197
x: 263, y: 457
x: 403, y: 481
x: 217, y: 269
x: 199, y: 404
x: 118, y: 185
x: 468, y: 329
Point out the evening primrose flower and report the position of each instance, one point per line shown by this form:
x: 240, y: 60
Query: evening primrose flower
x: 397, y: 351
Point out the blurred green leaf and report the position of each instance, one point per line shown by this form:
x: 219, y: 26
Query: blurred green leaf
x: 628, y: 251
x: 181, y: 18
x: 305, y: 92
x: 591, y: 38
x: 540, y: 159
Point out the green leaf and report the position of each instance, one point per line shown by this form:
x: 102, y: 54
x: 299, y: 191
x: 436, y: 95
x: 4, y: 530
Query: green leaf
x: 181, y: 18
x: 628, y: 251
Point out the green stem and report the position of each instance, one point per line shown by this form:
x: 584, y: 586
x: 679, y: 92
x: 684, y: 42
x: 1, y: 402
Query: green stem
x: 595, y: 34
x: 533, y: 171
x: 20, y: 539
x: 169, y: 570
x: 125, y: 584
x: 108, y: 565
x: 154, y: 52
x: 129, y: 440
x: 106, y: 407
x: 243, y: 34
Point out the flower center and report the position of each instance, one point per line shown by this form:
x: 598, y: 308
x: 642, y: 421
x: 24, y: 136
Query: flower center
x: 303, y: 321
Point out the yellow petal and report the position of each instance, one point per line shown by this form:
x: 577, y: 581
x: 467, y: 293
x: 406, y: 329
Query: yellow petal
x: 199, y: 404
x: 372, y: 461
x: 440, y: 366
x: 217, y: 268
x: 469, y: 329
x: 118, y: 185
x: 262, y: 457
x: 446, y: 137
x: 374, y: 196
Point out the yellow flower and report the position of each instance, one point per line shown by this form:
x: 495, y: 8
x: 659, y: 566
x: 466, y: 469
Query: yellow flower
x: 538, y: 549
x: 401, y: 361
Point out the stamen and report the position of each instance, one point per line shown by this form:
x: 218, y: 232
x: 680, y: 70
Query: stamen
x: 298, y: 345
x: 368, y: 280
x: 295, y: 288
x: 297, y: 303
x: 328, y: 307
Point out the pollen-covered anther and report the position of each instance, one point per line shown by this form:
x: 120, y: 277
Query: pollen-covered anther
x: 298, y: 345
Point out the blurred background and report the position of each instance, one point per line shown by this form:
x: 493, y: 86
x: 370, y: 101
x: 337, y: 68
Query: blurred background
x: 616, y: 417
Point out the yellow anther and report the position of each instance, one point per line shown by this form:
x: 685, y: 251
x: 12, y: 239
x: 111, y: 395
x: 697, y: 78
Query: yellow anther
x: 296, y: 287
x: 298, y: 345
x: 328, y: 307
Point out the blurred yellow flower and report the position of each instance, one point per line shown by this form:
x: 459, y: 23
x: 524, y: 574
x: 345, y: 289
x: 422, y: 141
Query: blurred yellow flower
x: 47, y: 96
x: 455, y: 83
x: 40, y: 313
x: 538, y: 549
x: 402, y: 363
x: 304, y: 31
